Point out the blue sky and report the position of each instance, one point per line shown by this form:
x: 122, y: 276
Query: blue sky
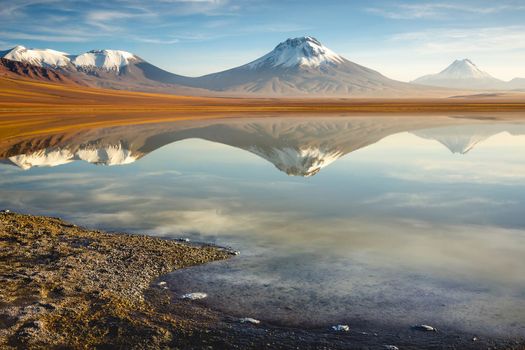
x: 402, y: 39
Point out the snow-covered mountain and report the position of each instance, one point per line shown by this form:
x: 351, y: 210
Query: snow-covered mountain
x: 462, y: 74
x: 302, y: 52
x: 37, y: 57
x: 112, y: 60
x: 304, y: 66
x: 102, y: 68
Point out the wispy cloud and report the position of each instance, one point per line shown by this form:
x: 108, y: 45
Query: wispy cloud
x: 140, y: 21
x: 43, y: 37
x: 465, y: 40
x: 438, y: 10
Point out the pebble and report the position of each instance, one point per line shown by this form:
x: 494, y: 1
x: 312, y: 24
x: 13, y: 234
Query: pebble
x: 341, y: 328
x: 183, y: 239
x: 5, y: 211
x: 249, y: 320
x: 391, y: 347
x: 424, y: 328
x: 162, y: 283
x: 194, y: 296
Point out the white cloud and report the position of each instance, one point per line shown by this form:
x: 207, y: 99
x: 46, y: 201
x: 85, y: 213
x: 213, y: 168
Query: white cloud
x: 437, y: 10
x: 41, y: 37
x: 465, y: 40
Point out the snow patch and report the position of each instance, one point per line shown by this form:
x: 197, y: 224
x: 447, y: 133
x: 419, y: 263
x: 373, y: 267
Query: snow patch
x: 461, y: 69
x: 111, y: 60
x: 299, y: 52
x: 43, y: 158
x: 38, y: 57
x: 105, y: 59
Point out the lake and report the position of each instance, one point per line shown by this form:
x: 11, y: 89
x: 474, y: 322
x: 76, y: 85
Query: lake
x: 372, y: 220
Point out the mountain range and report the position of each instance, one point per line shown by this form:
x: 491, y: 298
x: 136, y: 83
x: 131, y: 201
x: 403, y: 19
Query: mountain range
x: 464, y: 74
x: 296, y: 67
x: 296, y: 147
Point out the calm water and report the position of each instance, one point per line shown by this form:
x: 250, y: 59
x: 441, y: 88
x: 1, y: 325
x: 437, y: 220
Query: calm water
x: 372, y: 220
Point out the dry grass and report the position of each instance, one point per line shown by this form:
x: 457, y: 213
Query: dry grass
x: 28, y: 107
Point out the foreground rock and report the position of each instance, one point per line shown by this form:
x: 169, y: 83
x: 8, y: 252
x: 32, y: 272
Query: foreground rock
x: 62, y: 286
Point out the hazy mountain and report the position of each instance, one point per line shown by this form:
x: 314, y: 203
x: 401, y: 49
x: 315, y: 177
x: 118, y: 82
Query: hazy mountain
x: 462, y: 74
x: 462, y: 139
x: 517, y: 84
x: 296, y: 147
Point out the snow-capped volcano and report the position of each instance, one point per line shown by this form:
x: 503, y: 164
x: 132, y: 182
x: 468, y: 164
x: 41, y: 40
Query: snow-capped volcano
x: 303, y: 66
x: 302, y: 52
x: 462, y: 74
x: 112, y: 60
x: 465, y: 68
x: 37, y: 57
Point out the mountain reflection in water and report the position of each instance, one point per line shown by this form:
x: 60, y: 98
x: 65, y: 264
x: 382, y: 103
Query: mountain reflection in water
x: 295, y: 146
x: 397, y: 229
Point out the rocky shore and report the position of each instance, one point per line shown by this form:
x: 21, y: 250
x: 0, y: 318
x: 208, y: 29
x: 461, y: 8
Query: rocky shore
x: 66, y: 287
x: 62, y: 286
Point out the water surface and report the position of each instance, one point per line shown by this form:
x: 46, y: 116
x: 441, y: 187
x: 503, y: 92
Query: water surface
x: 372, y: 220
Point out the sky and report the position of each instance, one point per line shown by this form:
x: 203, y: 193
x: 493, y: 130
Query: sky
x: 401, y: 39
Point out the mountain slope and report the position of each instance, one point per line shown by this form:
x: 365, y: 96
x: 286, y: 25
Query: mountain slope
x: 114, y: 69
x: 462, y: 74
x: 517, y: 84
x: 303, y: 66
x: 13, y: 69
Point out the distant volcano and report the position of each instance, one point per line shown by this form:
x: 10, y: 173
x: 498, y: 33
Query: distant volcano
x: 462, y: 74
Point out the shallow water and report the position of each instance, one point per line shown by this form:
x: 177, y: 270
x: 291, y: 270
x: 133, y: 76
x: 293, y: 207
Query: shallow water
x: 369, y: 220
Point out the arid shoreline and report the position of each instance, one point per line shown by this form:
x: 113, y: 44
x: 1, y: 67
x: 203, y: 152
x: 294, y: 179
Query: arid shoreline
x: 65, y: 287
x: 70, y: 288
x: 30, y: 108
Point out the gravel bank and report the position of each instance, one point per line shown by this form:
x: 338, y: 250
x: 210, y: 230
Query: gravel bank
x: 62, y: 286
